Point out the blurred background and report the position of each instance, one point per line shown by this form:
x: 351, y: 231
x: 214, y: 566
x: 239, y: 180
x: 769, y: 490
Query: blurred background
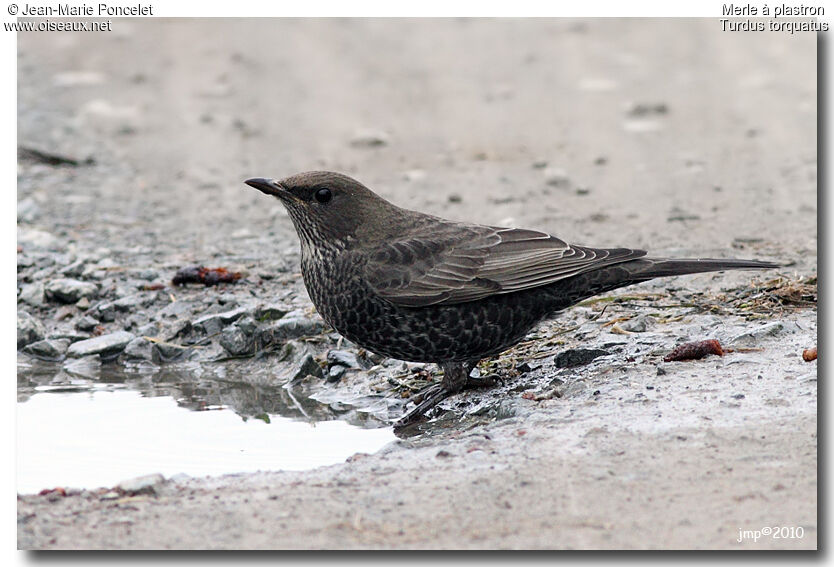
x: 667, y: 134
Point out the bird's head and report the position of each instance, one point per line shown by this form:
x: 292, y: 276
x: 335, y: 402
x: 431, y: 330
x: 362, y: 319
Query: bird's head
x: 326, y: 207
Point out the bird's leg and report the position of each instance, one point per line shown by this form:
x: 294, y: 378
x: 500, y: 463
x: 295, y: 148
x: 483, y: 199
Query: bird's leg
x: 483, y: 381
x: 455, y: 378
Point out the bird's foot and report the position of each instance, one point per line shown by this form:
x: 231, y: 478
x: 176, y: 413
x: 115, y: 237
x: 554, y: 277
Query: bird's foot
x: 487, y: 381
x: 455, y: 378
x: 429, y: 398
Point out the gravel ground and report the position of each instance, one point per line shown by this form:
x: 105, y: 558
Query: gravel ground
x: 663, y: 134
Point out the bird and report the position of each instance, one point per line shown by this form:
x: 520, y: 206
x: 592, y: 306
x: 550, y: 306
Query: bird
x: 420, y: 288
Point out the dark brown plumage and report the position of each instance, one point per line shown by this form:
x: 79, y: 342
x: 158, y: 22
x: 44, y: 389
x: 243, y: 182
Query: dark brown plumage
x: 417, y: 287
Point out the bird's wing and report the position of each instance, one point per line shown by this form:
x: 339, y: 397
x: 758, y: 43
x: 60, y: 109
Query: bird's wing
x: 461, y: 264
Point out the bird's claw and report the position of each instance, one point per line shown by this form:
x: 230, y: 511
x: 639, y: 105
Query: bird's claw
x: 429, y: 398
x: 487, y: 381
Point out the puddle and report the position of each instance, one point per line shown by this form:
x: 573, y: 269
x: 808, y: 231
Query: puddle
x: 74, y: 432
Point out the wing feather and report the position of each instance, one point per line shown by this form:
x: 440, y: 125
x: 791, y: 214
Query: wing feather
x: 456, y: 266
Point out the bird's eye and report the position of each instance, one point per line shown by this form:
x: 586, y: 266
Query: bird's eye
x: 323, y: 195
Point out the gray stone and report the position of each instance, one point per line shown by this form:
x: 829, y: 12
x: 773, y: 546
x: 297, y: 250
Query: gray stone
x: 289, y: 328
x: 229, y: 300
x: 105, y: 345
x: 148, y: 274
x: 556, y: 177
x: 68, y: 290
x: 271, y: 311
x: 342, y: 358
x: 175, y: 329
x: 74, y: 270
x: 86, y: 323
x: 175, y: 310
x: 132, y: 302
x: 298, y: 361
x: 29, y: 329
x: 336, y: 373
x: 139, y: 348
x: 247, y: 325
x: 32, y: 294
x: 37, y: 239
x: 48, y: 349
x: 638, y: 324
x: 148, y: 330
x: 167, y: 352
x: 214, y: 323
x: 147, y: 484
x: 106, y: 312
x: 68, y: 334
x: 308, y: 367
x: 754, y: 337
x: 577, y: 357
x: 236, y: 342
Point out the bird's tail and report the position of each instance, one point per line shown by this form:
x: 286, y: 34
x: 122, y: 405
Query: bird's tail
x: 608, y: 278
x: 648, y: 268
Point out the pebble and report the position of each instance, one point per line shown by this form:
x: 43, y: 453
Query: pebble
x: 74, y: 270
x: 105, y: 345
x: 752, y: 338
x: 336, y: 373
x: 167, y: 352
x: 556, y: 177
x: 139, y: 349
x: 289, y: 328
x: 638, y: 324
x: 236, y: 342
x: 271, y: 311
x: 133, y: 302
x: 147, y: 484
x: 177, y: 310
x: 29, y: 329
x: 148, y: 330
x: 308, y: 367
x: 48, y: 349
x: 32, y: 294
x: 106, y: 312
x: 38, y: 239
x: 86, y: 323
x: 214, y: 322
x: 369, y: 139
x: 66, y: 290
x: 342, y: 358
x: 577, y: 357
x: 69, y: 335
x: 247, y: 324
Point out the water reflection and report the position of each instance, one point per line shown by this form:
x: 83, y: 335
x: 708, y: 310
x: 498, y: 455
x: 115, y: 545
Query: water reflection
x: 196, y: 388
x: 80, y: 432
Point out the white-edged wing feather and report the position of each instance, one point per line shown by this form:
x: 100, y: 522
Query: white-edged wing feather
x: 460, y: 263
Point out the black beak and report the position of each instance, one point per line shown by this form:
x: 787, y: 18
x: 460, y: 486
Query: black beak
x: 268, y: 186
